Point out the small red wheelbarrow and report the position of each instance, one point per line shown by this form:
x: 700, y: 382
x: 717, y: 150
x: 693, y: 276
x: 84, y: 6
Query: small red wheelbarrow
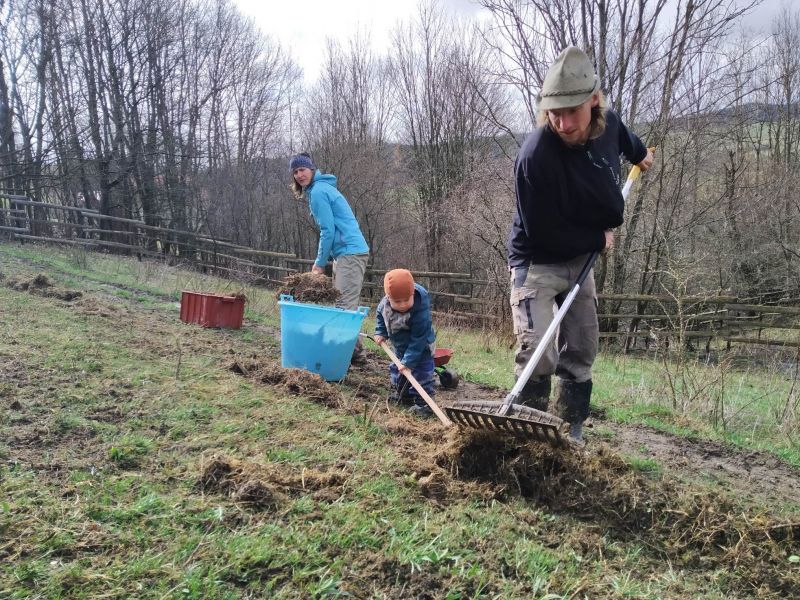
x: 447, y: 377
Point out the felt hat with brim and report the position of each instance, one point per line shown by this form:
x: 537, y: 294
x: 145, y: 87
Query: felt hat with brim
x: 569, y: 82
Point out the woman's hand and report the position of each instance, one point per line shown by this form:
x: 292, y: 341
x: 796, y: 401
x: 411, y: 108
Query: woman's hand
x: 316, y: 269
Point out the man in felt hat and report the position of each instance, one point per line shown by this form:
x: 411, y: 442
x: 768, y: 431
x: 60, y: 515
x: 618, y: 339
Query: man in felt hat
x: 568, y: 201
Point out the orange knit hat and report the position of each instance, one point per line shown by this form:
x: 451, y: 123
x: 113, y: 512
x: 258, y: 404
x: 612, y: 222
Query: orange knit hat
x: 399, y: 284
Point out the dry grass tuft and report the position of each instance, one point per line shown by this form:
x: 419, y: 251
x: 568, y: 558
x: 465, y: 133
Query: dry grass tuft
x: 41, y: 285
x: 297, y: 382
x: 310, y: 287
x: 267, y: 486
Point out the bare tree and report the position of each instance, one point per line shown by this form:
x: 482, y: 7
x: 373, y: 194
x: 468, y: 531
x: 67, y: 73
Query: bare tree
x: 435, y: 64
x: 29, y: 31
x: 10, y: 163
x: 347, y: 114
x: 168, y: 94
x: 182, y: 114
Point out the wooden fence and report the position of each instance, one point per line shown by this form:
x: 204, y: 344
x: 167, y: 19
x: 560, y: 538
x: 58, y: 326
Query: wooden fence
x: 27, y: 220
x: 637, y: 321
x: 692, y: 321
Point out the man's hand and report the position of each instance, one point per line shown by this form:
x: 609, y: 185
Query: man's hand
x: 316, y: 269
x: 379, y: 339
x: 647, y: 161
x: 609, y: 240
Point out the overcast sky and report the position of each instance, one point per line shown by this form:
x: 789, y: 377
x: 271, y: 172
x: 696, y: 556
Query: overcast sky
x: 303, y: 26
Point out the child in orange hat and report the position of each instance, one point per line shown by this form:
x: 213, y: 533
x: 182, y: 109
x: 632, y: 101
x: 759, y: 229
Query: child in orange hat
x: 404, y: 318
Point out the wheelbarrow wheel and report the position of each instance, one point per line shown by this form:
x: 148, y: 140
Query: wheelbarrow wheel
x: 448, y: 378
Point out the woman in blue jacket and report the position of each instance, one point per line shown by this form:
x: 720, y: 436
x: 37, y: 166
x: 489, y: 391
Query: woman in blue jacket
x: 340, y: 237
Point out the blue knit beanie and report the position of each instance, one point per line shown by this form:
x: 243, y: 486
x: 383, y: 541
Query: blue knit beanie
x: 301, y: 160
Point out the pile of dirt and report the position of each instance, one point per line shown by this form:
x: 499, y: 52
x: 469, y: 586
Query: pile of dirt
x: 39, y: 282
x: 297, y: 382
x: 310, y: 287
x: 41, y: 285
x: 692, y: 528
x: 267, y: 486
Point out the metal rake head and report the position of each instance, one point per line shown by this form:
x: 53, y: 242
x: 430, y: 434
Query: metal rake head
x: 520, y: 421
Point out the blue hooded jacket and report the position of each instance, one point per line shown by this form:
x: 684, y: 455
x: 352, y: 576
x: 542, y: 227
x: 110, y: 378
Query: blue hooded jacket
x: 339, y: 233
x: 411, y: 332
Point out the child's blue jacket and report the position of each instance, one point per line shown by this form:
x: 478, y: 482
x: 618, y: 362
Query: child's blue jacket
x: 411, y: 332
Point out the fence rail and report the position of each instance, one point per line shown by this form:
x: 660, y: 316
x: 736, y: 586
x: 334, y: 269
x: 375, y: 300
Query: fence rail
x: 631, y: 319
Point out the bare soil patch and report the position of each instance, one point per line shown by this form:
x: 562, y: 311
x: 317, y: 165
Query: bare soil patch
x: 760, y: 476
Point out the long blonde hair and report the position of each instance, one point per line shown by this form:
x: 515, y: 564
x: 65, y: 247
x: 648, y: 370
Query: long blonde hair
x: 297, y: 190
x: 596, y: 126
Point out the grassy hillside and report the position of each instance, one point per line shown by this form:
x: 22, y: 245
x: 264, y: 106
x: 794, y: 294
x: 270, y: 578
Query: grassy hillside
x: 141, y: 457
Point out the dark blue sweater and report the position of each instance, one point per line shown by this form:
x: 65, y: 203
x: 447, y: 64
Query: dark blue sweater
x: 567, y: 196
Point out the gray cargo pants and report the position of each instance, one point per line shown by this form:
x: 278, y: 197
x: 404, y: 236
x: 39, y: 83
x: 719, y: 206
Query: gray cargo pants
x: 534, y: 294
x: 348, y: 278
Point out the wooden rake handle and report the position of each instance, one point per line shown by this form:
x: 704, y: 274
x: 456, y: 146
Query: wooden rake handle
x: 413, y: 381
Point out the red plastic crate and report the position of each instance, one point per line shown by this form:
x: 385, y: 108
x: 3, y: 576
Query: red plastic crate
x: 212, y: 310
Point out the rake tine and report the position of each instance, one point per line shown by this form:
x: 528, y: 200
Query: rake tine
x: 523, y: 422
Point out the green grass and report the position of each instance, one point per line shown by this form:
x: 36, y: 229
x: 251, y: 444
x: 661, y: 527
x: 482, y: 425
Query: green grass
x: 99, y: 477
x: 485, y: 358
x: 630, y: 389
x: 645, y: 465
x: 637, y: 390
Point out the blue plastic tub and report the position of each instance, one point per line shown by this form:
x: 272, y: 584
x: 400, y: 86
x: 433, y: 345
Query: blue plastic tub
x: 318, y: 338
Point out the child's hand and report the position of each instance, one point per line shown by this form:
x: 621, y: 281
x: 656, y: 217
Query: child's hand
x: 379, y: 339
